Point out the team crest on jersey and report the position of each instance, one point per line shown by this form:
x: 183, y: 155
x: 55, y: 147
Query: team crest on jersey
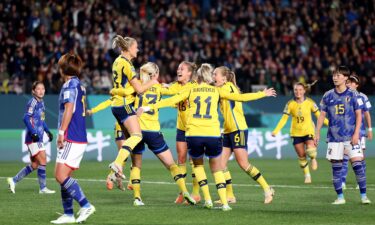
x: 347, y: 99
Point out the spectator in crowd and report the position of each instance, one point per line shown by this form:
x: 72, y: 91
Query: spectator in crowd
x: 264, y: 42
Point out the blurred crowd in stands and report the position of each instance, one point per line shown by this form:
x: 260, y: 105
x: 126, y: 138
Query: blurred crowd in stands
x: 273, y: 43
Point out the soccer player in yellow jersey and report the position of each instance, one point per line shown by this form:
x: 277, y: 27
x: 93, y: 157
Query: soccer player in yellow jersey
x: 235, y: 135
x: 124, y: 77
x: 185, y: 80
x: 203, y: 127
x: 152, y: 137
x: 302, y: 128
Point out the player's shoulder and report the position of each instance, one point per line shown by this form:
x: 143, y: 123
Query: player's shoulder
x: 32, y: 102
x: 310, y: 100
x: 290, y: 102
x: 363, y: 95
x: 72, y: 83
x: 329, y: 93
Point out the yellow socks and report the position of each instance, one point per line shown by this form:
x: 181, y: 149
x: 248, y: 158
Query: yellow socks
x: 135, y: 175
x: 311, y: 152
x: 257, y: 176
x: 228, y: 181
x: 202, y: 181
x: 178, y: 177
x: 304, y: 165
x: 128, y: 146
x: 195, y: 190
x: 220, y: 185
x: 182, y: 169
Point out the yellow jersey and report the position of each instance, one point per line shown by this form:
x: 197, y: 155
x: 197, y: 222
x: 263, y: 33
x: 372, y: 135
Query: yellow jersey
x: 123, y: 72
x: 182, y: 106
x: 232, y: 111
x: 302, y: 123
x: 202, y: 114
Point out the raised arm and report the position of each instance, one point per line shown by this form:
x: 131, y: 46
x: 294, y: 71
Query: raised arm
x: 247, y: 96
x: 103, y: 105
x: 139, y: 87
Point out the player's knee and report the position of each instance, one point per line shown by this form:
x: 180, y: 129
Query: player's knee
x: 311, y: 152
x: 303, y: 162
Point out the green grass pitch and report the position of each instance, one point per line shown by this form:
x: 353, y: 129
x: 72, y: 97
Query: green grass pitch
x: 294, y: 203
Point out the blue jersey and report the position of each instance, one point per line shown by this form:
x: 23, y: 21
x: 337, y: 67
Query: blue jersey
x: 365, y: 108
x: 340, y: 109
x: 34, y: 119
x: 73, y: 92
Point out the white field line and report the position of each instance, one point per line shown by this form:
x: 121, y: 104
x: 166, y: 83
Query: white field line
x: 369, y: 186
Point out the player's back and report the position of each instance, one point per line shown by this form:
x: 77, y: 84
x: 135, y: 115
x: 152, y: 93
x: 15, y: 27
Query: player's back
x: 232, y: 111
x: 73, y: 92
x: 122, y: 72
x: 149, y: 121
x: 203, y: 118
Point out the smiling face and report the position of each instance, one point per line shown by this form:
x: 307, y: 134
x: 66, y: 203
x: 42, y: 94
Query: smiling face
x: 133, y: 50
x: 299, y: 91
x: 183, y: 73
x: 39, y: 91
x: 218, y: 77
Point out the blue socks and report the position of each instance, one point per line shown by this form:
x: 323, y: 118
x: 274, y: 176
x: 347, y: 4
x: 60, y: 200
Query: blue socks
x: 42, y: 176
x: 23, y: 173
x: 336, y: 177
x: 74, y: 190
x: 67, y: 201
x: 360, y: 176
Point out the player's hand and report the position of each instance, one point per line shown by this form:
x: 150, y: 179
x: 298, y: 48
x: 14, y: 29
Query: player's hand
x: 60, y: 141
x: 270, y: 92
x: 35, y: 137
x: 89, y: 112
x: 273, y: 134
x: 140, y: 111
x: 50, y: 136
x: 355, y: 139
x: 113, y: 92
x: 316, y: 140
x: 369, y: 135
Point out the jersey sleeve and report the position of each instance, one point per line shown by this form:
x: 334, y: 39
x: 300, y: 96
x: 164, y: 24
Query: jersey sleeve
x: 314, y: 106
x: 172, y: 101
x: 103, y: 105
x: 241, y: 97
x: 287, y: 109
x: 30, y: 107
x: 323, y: 104
x: 122, y: 91
x: 357, y: 102
x: 70, y: 95
x: 367, y: 104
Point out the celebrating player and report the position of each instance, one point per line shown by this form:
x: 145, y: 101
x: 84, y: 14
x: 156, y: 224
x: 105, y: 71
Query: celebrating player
x: 203, y: 127
x: 124, y: 77
x: 342, y: 106
x: 34, y: 120
x: 353, y: 83
x: 235, y: 135
x: 72, y: 140
x: 302, y: 127
x: 152, y: 137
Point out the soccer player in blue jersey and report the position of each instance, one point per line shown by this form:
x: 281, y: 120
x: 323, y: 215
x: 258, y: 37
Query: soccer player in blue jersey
x: 342, y: 106
x: 35, y: 126
x: 353, y: 83
x: 72, y: 140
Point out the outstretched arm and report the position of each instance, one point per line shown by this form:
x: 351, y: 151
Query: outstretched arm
x: 248, y: 96
x: 281, y: 124
x: 103, y: 105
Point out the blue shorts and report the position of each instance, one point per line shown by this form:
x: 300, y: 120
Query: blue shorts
x: 121, y: 113
x: 180, y: 136
x: 210, y: 146
x: 155, y: 142
x: 236, y: 139
x: 297, y: 140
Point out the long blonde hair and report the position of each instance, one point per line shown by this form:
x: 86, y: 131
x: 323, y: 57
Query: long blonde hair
x: 123, y: 43
x: 147, y: 70
x: 204, y: 73
x: 192, y: 67
x: 307, y: 87
x: 229, y: 74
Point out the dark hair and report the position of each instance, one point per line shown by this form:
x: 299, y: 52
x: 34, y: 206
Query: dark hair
x: 36, y: 83
x: 70, y: 64
x: 355, y: 78
x: 344, y: 70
